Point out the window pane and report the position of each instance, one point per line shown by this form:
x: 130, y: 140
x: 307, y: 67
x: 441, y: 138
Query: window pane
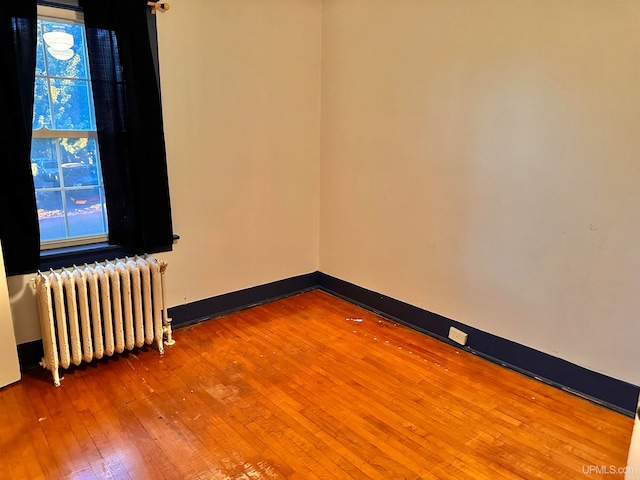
x: 64, y: 44
x: 70, y: 104
x: 51, y: 215
x: 44, y: 163
x: 41, y: 105
x: 85, y: 210
x: 79, y: 164
x: 82, y: 150
x: 78, y: 174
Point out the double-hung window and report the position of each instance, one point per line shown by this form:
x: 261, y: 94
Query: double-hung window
x: 65, y: 159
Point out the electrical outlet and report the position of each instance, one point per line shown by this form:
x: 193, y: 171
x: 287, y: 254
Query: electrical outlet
x: 458, y: 336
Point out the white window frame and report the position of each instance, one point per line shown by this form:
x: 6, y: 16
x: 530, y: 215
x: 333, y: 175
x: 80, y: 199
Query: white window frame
x: 60, y: 14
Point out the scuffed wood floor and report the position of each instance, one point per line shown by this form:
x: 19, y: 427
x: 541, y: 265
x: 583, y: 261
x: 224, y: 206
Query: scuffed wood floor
x: 293, y: 389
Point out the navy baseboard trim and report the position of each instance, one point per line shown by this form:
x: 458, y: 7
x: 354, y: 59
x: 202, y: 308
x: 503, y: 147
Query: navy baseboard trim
x: 607, y: 391
x: 30, y: 354
x: 195, y: 312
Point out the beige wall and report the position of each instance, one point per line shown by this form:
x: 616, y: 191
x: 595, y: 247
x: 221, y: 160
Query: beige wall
x: 241, y: 86
x: 241, y: 99
x: 480, y: 160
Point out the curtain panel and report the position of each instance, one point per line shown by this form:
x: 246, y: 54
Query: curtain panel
x: 129, y: 120
x: 19, y: 228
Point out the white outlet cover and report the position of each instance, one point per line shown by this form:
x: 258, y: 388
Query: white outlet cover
x: 458, y: 336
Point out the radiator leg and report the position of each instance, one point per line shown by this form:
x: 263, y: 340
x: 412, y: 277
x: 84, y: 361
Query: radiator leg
x: 54, y: 371
x: 56, y: 378
x: 168, y: 333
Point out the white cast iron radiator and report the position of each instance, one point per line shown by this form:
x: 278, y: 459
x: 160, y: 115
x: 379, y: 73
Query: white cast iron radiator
x: 101, y: 309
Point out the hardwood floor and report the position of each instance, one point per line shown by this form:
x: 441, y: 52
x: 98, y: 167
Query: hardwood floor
x: 293, y: 389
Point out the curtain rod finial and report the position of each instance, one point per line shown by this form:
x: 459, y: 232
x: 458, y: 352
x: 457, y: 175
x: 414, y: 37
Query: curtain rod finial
x: 162, y: 6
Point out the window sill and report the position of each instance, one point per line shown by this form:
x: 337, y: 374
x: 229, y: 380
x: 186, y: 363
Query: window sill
x: 97, y: 252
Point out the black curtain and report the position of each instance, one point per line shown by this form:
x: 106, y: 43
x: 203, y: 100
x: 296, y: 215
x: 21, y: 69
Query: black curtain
x: 129, y: 119
x: 19, y: 229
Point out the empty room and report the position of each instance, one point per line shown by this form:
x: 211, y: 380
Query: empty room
x: 336, y: 239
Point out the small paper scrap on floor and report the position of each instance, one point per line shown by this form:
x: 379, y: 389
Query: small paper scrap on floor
x: 359, y: 320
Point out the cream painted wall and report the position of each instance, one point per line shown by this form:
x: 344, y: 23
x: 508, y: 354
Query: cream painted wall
x: 241, y: 100
x: 241, y: 87
x: 480, y: 160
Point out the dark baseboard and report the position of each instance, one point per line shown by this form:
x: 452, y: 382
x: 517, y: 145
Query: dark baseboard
x: 30, y: 354
x: 607, y: 391
x: 195, y: 312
